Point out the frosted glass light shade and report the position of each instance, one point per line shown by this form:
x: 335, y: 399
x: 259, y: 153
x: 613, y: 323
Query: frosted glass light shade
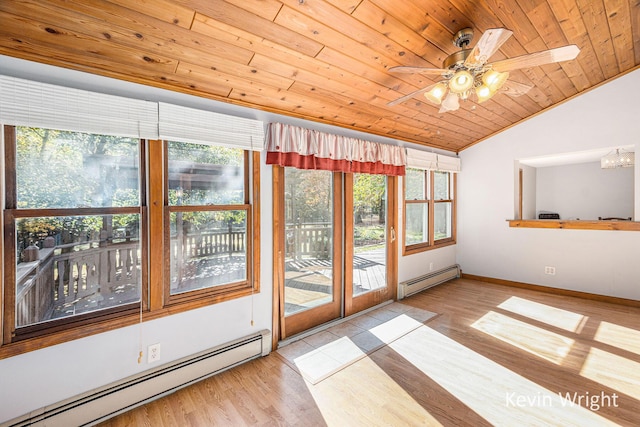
x: 494, y: 80
x: 436, y: 94
x: 483, y: 93
x: 451, y: 102
x: 461, y: 81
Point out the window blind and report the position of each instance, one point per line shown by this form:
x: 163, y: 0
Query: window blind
x: 421, y: 159
x: 183, y: 124
x: 417, y: 159
x: 35, y: 104
x: 448, y: 164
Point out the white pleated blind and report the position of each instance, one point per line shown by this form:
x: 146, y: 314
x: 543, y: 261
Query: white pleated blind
x: 29, y: 103
x: 448, y: 164
x: 184, y: 124
x: 417, y: 159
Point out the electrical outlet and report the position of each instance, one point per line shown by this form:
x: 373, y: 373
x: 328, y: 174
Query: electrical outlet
x: 550, y: 271
x: 153, y: 353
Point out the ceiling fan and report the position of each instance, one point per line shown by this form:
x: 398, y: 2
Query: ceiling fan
x: 466, y: 73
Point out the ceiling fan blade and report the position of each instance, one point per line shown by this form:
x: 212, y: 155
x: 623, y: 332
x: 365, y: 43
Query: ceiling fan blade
x: 409, y: 96
x: 488, y: 44
x: 512, y: 88
x: 564, y: 53
x: 418, y: 70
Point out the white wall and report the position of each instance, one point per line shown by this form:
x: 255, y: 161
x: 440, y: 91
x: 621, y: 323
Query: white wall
x: 412, y: 266
x: 585, y: 191
x: 601, y: 262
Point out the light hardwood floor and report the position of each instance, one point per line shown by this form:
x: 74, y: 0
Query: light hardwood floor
x: 493, y: 355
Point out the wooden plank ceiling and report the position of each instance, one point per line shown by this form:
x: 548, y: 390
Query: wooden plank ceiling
x: 327, y: 61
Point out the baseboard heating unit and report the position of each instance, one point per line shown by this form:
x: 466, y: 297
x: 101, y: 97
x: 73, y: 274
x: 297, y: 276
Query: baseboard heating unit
x: 429, y: 280
x: 99, y: 405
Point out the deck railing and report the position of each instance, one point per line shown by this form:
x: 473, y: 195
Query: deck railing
x: 63, y: 278
x: 210, y: 243
x: 34, y: 299
x: 64, y: 275
x: 313, y: 240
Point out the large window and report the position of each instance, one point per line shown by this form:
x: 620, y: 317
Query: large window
x: 74, y: 214
x: 99, y: 228
x: 209, y: 213
x: 429, y: 210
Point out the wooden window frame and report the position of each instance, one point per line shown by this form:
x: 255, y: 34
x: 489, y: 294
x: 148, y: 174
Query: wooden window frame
x: 152, y: 210
x: 430, y: 201
x: 214, y: 293
x: 44, y: 330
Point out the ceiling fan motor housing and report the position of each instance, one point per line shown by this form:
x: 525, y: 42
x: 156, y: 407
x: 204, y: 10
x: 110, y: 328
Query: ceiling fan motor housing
x: 456, y: 60
x: 463, y: 38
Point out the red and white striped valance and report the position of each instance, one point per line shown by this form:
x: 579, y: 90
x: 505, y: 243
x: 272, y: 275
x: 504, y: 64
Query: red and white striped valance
x: 302, y: 148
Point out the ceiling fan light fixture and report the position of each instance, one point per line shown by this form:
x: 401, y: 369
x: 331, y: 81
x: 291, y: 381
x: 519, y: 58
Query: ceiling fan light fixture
x: 483, y: 93
x: 436, y: 94
x: 461, y: 82
x: 494, y: 79
x: 467, y: 72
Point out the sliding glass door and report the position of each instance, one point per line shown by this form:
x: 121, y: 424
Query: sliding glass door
x: 311, y: 276
x: 333, y: 241
x: 369, y: 237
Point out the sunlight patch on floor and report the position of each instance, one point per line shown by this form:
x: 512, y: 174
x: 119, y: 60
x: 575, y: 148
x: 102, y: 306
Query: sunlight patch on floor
x: 618, y: 336
x: 497, y: 394
x: 540, y: 342
x: 364, y: 395
x: 393, y: 329
x: 563, y: 319
x: 613, y: 371
x: 322, y: 362
x: 330, y: 358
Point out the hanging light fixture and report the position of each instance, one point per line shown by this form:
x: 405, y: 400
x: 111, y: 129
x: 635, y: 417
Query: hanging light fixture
x: 618, y: 158
x: 465, y: 81
x: 468, y: 74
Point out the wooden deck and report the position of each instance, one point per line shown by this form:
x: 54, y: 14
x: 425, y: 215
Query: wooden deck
x: 491, y: 356
x: 63, y: 285
x: 308, y: 282
x: 369, y: 271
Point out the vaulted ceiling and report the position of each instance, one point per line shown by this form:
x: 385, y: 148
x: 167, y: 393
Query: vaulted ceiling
x: 328, y: 60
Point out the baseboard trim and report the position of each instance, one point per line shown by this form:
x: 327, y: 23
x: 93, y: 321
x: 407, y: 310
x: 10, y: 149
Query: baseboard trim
x: 557, y: 291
